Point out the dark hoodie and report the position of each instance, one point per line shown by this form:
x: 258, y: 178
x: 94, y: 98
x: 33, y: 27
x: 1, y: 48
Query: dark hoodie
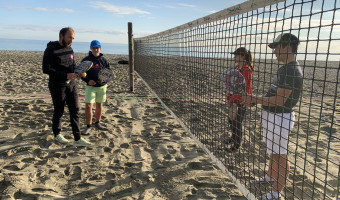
x: 98, y: 63
x: 58, y: 61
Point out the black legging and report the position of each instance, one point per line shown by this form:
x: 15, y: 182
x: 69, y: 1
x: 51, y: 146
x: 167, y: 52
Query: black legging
x: 236, y: 127
x: 69, y: 95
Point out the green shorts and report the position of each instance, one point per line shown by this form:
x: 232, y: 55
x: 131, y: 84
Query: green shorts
x: 95, y: 94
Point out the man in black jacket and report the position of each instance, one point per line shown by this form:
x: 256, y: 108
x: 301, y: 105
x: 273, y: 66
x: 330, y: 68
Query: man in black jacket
x: 58, y: 63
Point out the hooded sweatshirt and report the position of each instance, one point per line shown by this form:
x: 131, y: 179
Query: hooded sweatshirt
x: 58, y: 61
x: 98, y: 63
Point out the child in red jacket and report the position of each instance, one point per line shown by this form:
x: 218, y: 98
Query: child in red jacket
x: 244, y: 60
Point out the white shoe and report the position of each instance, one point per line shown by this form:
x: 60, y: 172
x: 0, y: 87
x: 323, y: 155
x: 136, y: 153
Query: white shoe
x: 59, y: 138
x: 271, y: 196
x: 81, y: 142
x: 264, y: 179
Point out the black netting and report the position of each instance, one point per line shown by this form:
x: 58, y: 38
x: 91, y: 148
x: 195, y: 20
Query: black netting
x: 184, y: 67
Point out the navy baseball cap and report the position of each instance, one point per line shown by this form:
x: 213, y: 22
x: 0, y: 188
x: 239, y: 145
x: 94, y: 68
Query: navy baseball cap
x: 286, y: 38
x: 95, y: 43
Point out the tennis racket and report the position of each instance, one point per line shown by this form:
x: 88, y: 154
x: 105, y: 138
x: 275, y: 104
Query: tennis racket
x: 82, y: 67
x: 233, y: 81
x: 105, y: 75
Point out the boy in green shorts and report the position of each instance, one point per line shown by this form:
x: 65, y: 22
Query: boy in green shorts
x: 95, y: 90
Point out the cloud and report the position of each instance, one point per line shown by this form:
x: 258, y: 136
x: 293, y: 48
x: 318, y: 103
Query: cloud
x: 180, y: 5
x: 59, y: 10
x: 34, y: 28
x: 172, y: 7
x: 37, y: 28
x: 138, y: 34
x: 151, y: 6
x: 212, y: 11
x: 119, y: 10
x: 100, y: 31
x: 187, y: 5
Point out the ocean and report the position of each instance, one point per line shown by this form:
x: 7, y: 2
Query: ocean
x: 40, y: 45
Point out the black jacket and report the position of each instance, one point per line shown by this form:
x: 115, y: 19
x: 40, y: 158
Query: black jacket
x: 98, y: 63
x: 57, y: 62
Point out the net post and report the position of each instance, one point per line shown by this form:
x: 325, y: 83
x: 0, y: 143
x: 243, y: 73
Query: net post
x: 131, y: 56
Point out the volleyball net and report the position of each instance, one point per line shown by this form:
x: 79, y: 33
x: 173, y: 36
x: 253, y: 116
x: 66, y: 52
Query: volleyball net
x: 183, y: 66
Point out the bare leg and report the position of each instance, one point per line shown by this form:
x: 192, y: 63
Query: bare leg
x: 279, y: 170
x: 99, y: 110
x: 232, y: 111
x: 88, y: 113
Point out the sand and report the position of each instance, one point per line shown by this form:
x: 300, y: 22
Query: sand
x: 143, y: 153
x: 198, y: 99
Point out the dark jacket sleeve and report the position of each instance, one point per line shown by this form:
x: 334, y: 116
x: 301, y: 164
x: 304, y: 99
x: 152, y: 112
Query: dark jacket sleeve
x: 48, y: 67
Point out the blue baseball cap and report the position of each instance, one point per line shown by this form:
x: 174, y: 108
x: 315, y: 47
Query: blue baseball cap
x: 95, y: 43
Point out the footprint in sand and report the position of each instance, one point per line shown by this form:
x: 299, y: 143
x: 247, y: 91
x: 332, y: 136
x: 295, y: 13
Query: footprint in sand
x: 5, y: 184
x: 137, y: 112
x: 28, y: 160
x: 171, y: 149
x: 107, y: 149
x: 96, y: 177
x: 74, y: 172
x: 12, y: 167
x: 125, y: 145
x: 21, y: 195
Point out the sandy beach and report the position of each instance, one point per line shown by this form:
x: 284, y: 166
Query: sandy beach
x: 143, y: 153
x: 314, y: 143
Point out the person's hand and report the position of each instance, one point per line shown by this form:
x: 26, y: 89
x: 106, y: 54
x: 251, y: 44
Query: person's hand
x: 92, y: 82
x: 72, y: 76
x: 82, y: 75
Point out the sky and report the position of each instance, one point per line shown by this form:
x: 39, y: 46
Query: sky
x: 105, y: 20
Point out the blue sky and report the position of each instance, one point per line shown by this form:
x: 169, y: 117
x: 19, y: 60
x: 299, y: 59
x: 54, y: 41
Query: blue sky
x: 102, y: 20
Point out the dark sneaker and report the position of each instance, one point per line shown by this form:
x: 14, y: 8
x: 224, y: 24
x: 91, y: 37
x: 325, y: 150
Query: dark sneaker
x: 228, y: 141
x: 99, y: 126
x: 87, y: 130
x: 230, y: 150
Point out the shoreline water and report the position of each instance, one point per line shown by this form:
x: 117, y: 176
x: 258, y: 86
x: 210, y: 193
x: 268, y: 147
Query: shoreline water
x: 40, y: 45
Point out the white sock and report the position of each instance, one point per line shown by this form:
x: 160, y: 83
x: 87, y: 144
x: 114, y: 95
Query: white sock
x: 268, y: 178
x: 273, y: 194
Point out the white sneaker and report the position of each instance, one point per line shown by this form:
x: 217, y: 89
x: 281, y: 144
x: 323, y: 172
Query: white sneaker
x: 264, y: 179
x: 59, y: 138
x: 81, y: 142
x: 271, y: 196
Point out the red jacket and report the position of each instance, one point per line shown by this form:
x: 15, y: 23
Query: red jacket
x: 247, y: 72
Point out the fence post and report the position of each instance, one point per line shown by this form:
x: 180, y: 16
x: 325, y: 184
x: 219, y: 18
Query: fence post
x: 131, y: 57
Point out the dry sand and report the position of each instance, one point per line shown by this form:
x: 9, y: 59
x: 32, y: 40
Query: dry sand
x: 314, y: 144
x: 143, y: 153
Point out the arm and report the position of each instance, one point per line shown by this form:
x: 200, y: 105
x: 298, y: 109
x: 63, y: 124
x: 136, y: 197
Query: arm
x: 47, y: 65
x: 278, y: 100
